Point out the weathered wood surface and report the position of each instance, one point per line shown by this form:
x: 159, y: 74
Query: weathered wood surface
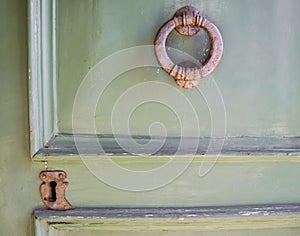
x: 169, y: 212
x: 258, y: 146
x: 237, y: 220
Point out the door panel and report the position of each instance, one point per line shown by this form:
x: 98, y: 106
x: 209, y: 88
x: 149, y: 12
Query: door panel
x: 258, y: 75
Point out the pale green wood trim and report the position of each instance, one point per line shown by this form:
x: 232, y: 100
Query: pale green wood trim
x: 54, y: 68
x: 188, y: 225
x: 234, y: 149
x: 164, y: 159
x: 41, y: 228
x: 42, y: 72
x: 188, y: 219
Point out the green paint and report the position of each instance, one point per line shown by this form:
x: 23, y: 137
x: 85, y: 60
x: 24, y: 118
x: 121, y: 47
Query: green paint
x: 228, y: 183
x: 207, y: 227
x: 41, y: 73
x: 287, y: 232
x: 258, y: 75
x: 18, y: 175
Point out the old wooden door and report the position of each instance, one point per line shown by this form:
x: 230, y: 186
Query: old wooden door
x: 143, y: 156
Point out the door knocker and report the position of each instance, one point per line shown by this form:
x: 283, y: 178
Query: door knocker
x: 187, y: 21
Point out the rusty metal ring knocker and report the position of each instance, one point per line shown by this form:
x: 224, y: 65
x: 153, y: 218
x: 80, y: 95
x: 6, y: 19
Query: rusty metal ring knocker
x: 188, y: 21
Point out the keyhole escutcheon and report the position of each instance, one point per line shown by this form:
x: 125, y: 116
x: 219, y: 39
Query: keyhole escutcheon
x: 53, y: 190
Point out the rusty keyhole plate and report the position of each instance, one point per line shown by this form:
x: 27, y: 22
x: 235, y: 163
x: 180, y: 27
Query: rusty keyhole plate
x: 53, y: 190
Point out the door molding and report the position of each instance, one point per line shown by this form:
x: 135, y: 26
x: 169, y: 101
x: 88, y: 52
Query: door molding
x: 166, y: 219
x: 42, y: 72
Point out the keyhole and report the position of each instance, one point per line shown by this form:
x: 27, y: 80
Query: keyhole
x: 53, y: 191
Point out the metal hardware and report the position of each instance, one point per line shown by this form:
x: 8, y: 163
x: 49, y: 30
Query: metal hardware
x: 53, y: 190
x: 46, y: 165
x: 188, y: 21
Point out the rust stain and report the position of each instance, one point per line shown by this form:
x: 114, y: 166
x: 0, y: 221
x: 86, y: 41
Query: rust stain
x: 188, y: 21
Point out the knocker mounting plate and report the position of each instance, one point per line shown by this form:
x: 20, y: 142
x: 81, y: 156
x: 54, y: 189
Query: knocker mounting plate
x: 187, y: 30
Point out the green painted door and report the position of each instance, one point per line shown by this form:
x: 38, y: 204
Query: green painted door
x: 252, y: 96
